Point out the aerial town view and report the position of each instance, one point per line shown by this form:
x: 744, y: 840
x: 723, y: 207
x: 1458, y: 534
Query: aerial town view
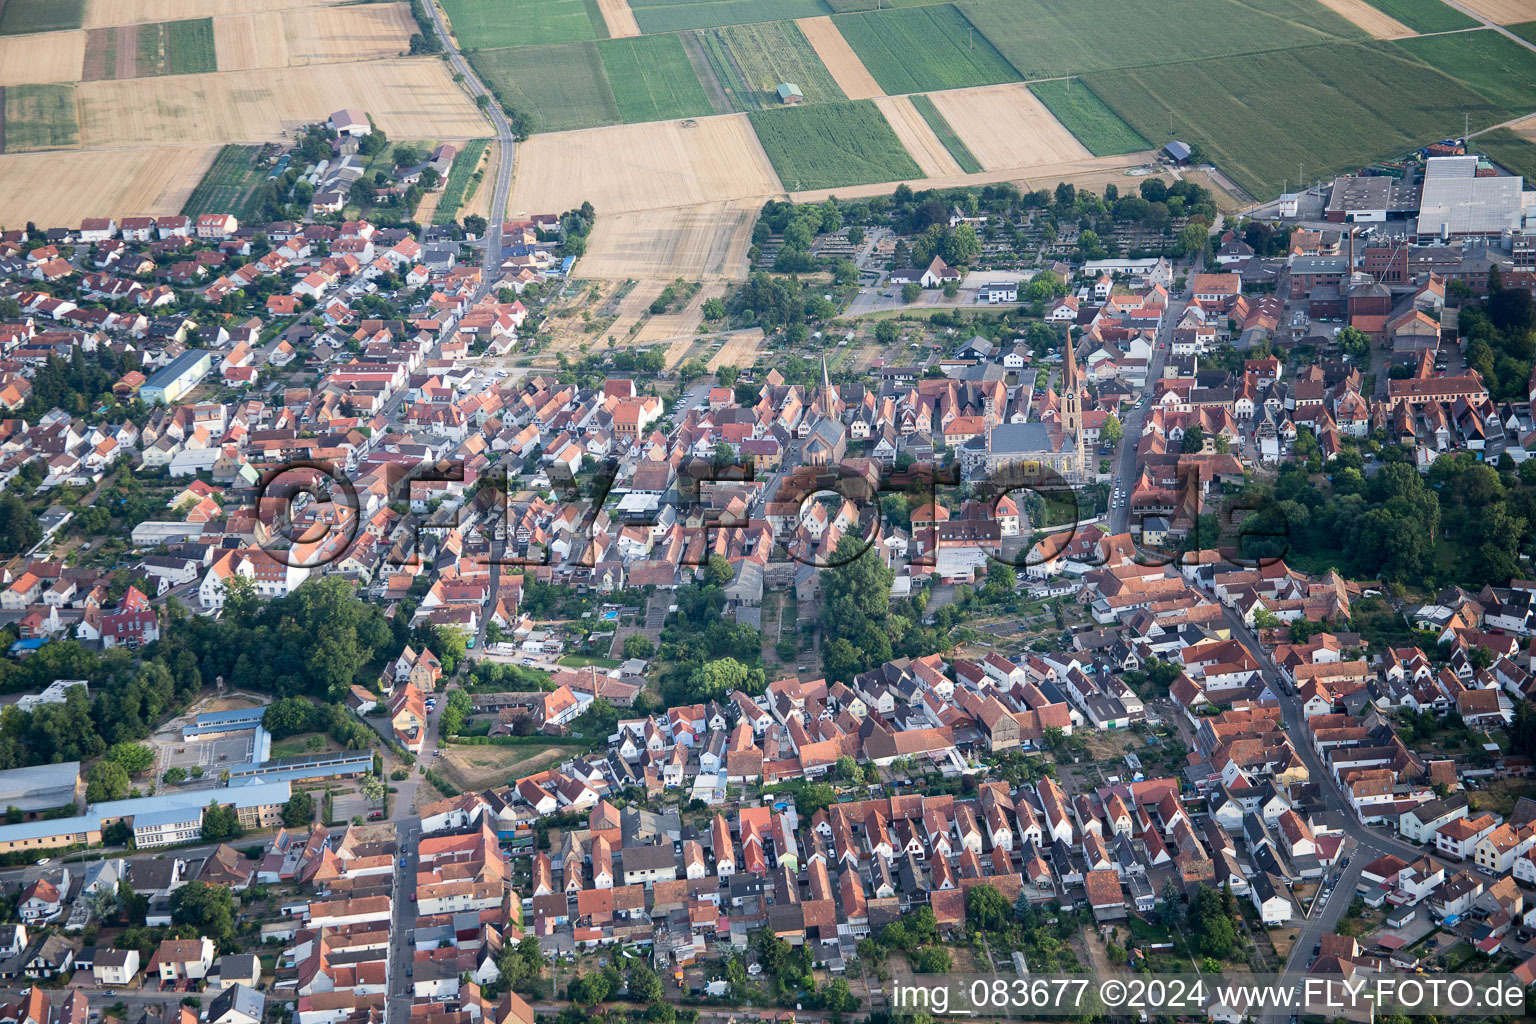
x: 788, y: 511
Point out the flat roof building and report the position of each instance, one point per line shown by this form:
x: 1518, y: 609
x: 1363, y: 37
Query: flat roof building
x: 42, y: 787
x: 1456, y: 203
x: 176, y: 378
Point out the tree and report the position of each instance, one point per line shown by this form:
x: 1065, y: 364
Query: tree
x: 372, y: 787
x: 910, y: 292
x: 108, y: 781
x: 986, y: 907
x: 1194, y: 440
x: 135, y: 758
x: 288, y: 717
x: 1111, y: 432
x: 644, y: 985
x: 208, y: 908
x: 1001, y: 579
x: 221, y: 823
x: 130, y: 904
x: 1170, y: 906
x: 639, y: 646
x: 719, y: 572
x: 19, y: 529
x: 299, y: 811
x: 714, y: 309
x: 1355, y: 342
x: 1210, y: 924
x: 888, y: 331
x: 847, y: 768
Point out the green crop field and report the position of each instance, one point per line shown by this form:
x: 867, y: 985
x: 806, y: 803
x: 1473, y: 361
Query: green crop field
x: 749, y: 62
x: 1085, y: 116
x: 1525, y: 30
x: 177, y: 48
x: 1424, y: 15
x: 40, y: 117
x: 941, y: 128
x: 829, y: 145
x: 652, y: 78
x: 1332, y: 107
x: 486, y: 24
x: 922, y: 49
x: 560, y: 87
x: 460, y: 176
x: 855, y: 6
x: 1490, y: 64
x: 1514, y: 153
x: 1048, y: 39
x: 20, y: 16
x: 227, y: 182
x: 676, y: 15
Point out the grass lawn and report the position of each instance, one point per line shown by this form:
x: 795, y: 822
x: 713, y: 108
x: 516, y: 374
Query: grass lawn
x: 486, y: 24
x: 828, y: 145
x: 1515, y: 153
x: 1342, y: 106
x: 40, y: 117
x: 477, y: 767
x: 1424, y: 15
x: 1501, y: 795
x: 560, y: 86
x: 460, y: 176
x: 304, y: 743
x: 749, y: 62
x: 921, y: 49
x: 674, y: 15
x: 19, y: 16
x: 1489, y: 63
x: 583, y: 660
x: 952, y: 142
x: 1082, y: 112
x: 226, y: 183
x: 652, y: 78
x: 1046, y: 39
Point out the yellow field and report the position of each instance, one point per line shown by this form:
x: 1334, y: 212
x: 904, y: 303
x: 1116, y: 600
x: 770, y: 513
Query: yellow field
x: 1006, y: 126
x: 279, y: 39
x: 62, y: 187
x: 408, y: 98
x: 642, y: 167
x: 619, y: 18
x: 480, y: 201
x: 739, y: 350
x: 1379, y: 24
x: 1091, y: 172
x: 695, y: 242
x: 915, y: 134
x: 1501, y: 12
x: 847, y: 70
x: 106, y: 13
x: 43, y: 57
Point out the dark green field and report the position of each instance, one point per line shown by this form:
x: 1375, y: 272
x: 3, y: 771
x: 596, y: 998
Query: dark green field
x: 1514, y: 153
x: 227, y: 182
x: 460, y: 176
x: 1085, y: 116
x: 1490, y: 64
x: 924, y: 49
x: 21, y: 16
x: 946, y: 134
x: 1525, y: 30
x: 560, y: 86
x: 486, y: 24
x: 829, y: 145
x: 1424, y: 15
x: 177, y: 48
x: 749, y: 62
x: 652, y: 79
x: 676, y: 15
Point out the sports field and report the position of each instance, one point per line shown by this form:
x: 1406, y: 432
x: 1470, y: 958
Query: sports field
x: 227, y: 182
x: 40, y: 117
x: 674, y: 15
x: 1490, y: 64
x: 832, y: 144
x: 652, y: 79
x: 1084, y: 115
x: 20, y: 16
x: 920, y: 49
x: 945, y: 133
x: 486, y: 24
x: 749, y: 62
x: 561, y: 86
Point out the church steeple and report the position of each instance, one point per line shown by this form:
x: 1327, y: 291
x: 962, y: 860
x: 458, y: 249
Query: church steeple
x: 1072, y: 403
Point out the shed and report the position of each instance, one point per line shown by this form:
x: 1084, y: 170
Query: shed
x: 1177, y: 151
x: 789, y: 93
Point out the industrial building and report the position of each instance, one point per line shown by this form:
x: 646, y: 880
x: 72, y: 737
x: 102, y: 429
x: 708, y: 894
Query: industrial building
x: 176, y: 378
x: 42, y: 787
x: 1457, y: 203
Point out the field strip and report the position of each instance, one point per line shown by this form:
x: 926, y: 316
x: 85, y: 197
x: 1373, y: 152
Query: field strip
x: 408, y: 98
x: 1007, y: 126
x: 710, y: 240
x: 1379, y: 24
x: 277, y: 39
x: 107, y: 13
x: 43, y: 57
x: 917, y: 136
x: 1501, y: 12
x: 740, y: 349
x: 480, y: 201
x: 1526, y: 129
x: 619, y: 18
x: 847, y: 70
x: 62, y: 187
x: 1108, y: 167
x: 683, y: 323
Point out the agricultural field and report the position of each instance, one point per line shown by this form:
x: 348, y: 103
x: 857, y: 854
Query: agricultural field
x: 107, y: 13
x: 1515, y: 153
x: 561, y: 87
x: 749, y: 62
x: 1490, y: 64
x: 677, y: 15
x: 54, y: 57
x: 1086, y: 117
x: 846, y: 69
x: 945, y: 133
x: 832, y: 144
x: 918, y: 136
x: 176, y: 48
x: 487, y: 24
x: 1526, y: 31
x: 617, y: 19
x: 1045, y: 39
x: 921, y: 49
x: 696, y: 242
x: 1375, y: 22
x: 63, y: 186
x: 18, y: 17
x: 1340, y: 106
x: 323, y: 35
x: 227, y: 183
x: 1424, y: 15
x: 1006, y: 126
x: 40, y: 117
x: 652, y: 78
x: 855, y: 6
x: 461, y: 179
x: 1502, y: 12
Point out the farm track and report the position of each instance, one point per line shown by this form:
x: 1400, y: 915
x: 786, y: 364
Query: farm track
x: 705, y: 72
x: 2, y: 101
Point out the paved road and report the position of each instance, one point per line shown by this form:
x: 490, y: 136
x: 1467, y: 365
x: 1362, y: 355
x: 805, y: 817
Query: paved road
x: 1125, y: 468
x: 401, y: 955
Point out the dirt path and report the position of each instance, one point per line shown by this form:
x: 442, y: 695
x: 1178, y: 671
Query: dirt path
x: 621, y: 20
x: 848, y: 71
x: 917, y: 136
x: 1378, y: 23
x: 706, y: 74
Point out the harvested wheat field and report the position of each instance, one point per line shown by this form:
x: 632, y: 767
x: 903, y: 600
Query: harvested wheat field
x: 62, y: 187
x: 480, y: 201
x: 278, y: 39
x: 740, y: 349
x: 619, y: 18
x: 1501, y: 12
x: 409, y: 99
x: 917, y: 136
x: 848, y: 71
x: 1079, y: 172
x: 1006, y: 126
x: 44, y: 57
x: 694, y: 242
x: 643, y: 166
x: 106, y: 13
x: 1378, y: 23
